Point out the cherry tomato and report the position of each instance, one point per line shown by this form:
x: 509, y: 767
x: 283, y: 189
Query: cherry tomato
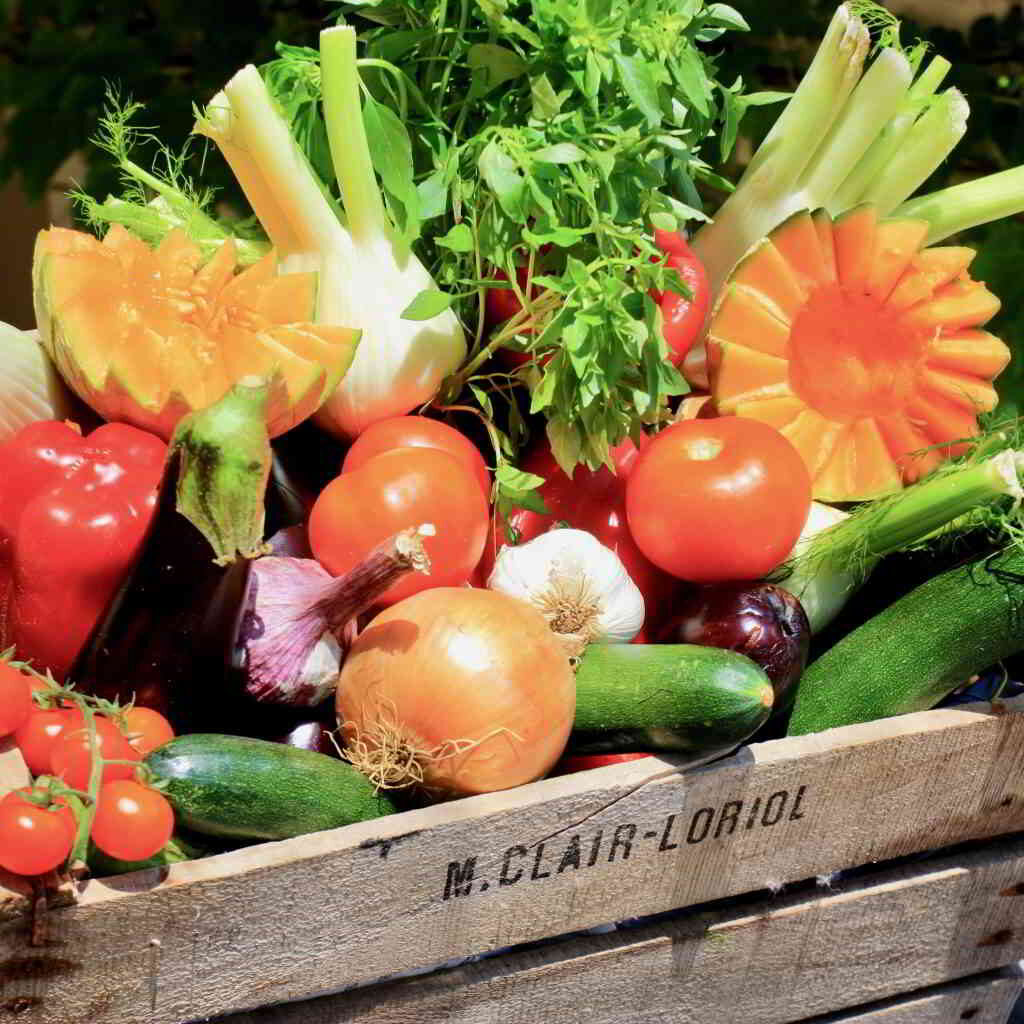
x: 56, y: 805
x: 15, y: 699
x: 33, y: 839
x: 417, y: 432
x: 394, y: 491
x: 501, y: 304
x: 145, y: 728
x: 71, y: 756
x: 718, y: 499
x: 36, y: 738
x: 132, y: 821
x: 591, y: 501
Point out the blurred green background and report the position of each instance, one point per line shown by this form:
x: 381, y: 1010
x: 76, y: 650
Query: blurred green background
x: 58, y: 56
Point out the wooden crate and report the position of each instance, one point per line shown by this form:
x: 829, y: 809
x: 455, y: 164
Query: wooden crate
x: 318, y: 914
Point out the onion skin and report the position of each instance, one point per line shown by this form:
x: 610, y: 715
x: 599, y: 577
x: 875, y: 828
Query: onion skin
x: 456, y: 664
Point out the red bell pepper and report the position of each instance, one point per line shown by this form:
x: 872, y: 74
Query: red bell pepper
x: 73, y: 510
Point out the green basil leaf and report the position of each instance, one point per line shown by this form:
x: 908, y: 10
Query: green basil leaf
x: 723, y: 14
x: 459, y: 239
x: 520, y: 488
x: 560, y: 153
x: 427, y: 304
x: 504, y: 179
x: 693, y: 80
x: 492, y: 65
x: 391, y: 153
x: 640, y: 86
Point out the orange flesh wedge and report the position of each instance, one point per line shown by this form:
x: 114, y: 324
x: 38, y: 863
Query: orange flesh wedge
x: 862, y: 348
x: 146, y: 335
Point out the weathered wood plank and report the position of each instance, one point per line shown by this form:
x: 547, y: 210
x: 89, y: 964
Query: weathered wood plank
x: 987, y: 999
x: 295, y: 919
x: 769, y: 960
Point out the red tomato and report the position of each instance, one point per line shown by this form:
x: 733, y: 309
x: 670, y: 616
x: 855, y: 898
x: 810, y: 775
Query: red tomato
x: 718, y: 499
x: 71, y: 756
x: 417, y: 432
x: 671, y: 242
x: 584, y: 762
x: 33, y: 839
x: 36, y: 738
x: 394, y: 491
x: 56, y: 805
x: 591, y: 501
x: 16, y: 702
x: 683, y: 319
x: 132, y: 821
x: 145, y: 729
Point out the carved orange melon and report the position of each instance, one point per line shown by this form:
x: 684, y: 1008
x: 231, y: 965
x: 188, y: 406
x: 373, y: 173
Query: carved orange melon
x: 861, y: 347
x: 145, y: 336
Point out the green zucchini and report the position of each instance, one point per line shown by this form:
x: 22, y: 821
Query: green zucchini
x: 919, y: 649
x: 254, y: 789
x: 678, y: 697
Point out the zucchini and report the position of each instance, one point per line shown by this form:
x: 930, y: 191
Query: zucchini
x: 254, y: 789
x: 678, y: 697
x: 919, y: 649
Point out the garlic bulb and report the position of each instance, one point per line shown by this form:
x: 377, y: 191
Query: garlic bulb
x: 580, y: 586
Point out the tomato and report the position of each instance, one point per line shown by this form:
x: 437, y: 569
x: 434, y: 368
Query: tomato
x: 682, y: 318
x: 145, y: 728
x: 673, y: 243
x: 56, y: 805
x: 417, y: 432
x: 584, y: 762
x: 591, y: 501
x: 718, y: 499
x: 36, y: 738
x: 33, y: 839
x: 16, y: 702
x: 71, y: 755
x: 394, y: 491
x: 132, y: 821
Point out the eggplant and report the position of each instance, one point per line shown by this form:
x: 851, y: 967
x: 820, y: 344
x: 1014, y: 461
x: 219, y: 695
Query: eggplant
x: 760, y: 620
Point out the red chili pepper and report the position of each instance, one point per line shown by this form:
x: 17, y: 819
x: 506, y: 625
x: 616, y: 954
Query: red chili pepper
x: 682, y: 319
x: 73, y: 511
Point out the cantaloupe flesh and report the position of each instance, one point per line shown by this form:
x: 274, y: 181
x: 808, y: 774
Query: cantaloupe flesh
x: 147, y: 335
x: 879, y: 371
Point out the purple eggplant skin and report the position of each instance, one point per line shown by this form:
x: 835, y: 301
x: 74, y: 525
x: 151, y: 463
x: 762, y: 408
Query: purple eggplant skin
x: 762, y: 621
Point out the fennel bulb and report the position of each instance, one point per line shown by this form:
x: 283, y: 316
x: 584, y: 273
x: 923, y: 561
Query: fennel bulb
x: 368, y: 274
x: 30, y: 387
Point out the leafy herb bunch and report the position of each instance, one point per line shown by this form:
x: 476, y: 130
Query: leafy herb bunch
x: 534, y: 147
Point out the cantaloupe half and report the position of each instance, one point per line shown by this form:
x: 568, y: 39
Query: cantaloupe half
x: 145, y: 336
x: 859, y: 345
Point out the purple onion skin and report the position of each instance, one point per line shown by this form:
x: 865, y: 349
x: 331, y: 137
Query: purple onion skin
x: 762, y: 621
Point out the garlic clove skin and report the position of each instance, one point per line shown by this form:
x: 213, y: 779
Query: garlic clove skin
x: 579, y: 585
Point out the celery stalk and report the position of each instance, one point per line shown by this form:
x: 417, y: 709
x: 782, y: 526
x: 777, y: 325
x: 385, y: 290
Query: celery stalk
x: 960, y: 207
x: 927, y: 144
x: 892, y: 139
x: 877, y: 98
x: 828, y: 564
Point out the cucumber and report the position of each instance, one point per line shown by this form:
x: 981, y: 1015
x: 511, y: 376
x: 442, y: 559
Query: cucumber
x: 678, y: 697
x: 919, y: 649
x: 254, y: 789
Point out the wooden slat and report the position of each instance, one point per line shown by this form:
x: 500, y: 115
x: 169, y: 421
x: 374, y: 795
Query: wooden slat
x: 312, y: 915
x: 987, y: 999
x: 769, y: 960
